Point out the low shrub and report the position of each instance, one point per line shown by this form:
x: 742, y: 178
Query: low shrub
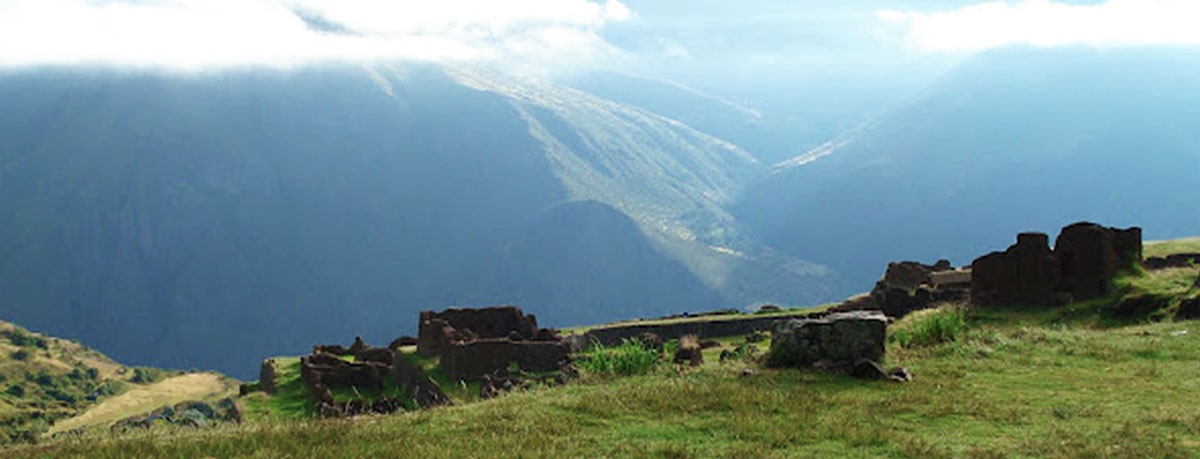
x: 939, y: 326
x: 628, y: 358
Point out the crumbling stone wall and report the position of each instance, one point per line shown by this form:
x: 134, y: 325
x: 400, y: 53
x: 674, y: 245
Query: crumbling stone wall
x: 471, y: 360
x: 437, y: 329
x: 908, y: 286
x: 1081, y: 266
x: 837, y: 341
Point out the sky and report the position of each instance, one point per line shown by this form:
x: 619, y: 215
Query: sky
x: 530, y: 34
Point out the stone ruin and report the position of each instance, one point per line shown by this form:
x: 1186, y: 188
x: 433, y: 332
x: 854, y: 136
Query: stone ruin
x: 327, y: 368
x: 908, y: 286
x: 472, y: 343
x: 1085, y: 258
x: 1176, y: 260
x: 848, y: 342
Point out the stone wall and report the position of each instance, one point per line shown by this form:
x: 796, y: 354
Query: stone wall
x: 837, y: 341
x: 612, y: 335
x: 473, y: 359
x: 437, y: 329
x: 1081, y: 266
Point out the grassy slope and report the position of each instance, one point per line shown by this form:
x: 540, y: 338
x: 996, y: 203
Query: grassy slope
x: 73, y: 372
x: 146, y: 398
x: 1032, y: 382
x: 1161, y: 248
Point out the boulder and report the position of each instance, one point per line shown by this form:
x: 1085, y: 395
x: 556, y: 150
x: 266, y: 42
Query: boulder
x: 1026, y: 273
x: 1090, y: 256
x: 835, y: 341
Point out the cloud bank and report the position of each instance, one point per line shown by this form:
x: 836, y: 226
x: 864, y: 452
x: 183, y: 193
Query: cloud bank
x: 1046, y: 23
x: 194, y: 35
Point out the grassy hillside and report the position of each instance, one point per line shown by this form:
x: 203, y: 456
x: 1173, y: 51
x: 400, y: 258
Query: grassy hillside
x: 50, y: 385
x: 1075, y: 381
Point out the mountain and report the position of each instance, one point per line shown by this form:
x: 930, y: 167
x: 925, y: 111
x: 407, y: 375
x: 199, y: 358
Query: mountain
x: 207, y: 220
x: 1013, y: 140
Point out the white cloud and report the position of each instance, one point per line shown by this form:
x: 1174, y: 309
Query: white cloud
x: 1046, y: 23
x: 205, y: 34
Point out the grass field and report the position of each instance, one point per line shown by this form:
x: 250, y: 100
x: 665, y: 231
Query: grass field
x: 1072, y: 381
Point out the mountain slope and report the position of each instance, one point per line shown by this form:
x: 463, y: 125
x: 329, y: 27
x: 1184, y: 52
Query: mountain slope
x: 1014, y: 140
x: 205, y: 221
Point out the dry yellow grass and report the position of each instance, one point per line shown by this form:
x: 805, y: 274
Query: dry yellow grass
x: 142, y: 399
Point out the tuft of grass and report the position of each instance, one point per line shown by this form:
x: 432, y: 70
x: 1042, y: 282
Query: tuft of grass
x: 931, y: 327
x: 630, y: 357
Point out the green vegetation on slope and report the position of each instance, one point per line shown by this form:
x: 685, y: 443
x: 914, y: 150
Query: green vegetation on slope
x: 1073, y: 381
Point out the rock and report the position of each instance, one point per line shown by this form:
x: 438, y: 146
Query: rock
x: 756, y: 337
x: 839, y: 340
x: 1090, y: 256
x: 267, y: 375
x: 748, y: 372
x: 689, y: 350
x: 650, y: 341
x: 1189, y: 309
x: 1140, y: 306
x: 709, y: 344
x: 1026, y: 273
x: 868, y: 369
x: 1176, y: 260
x: 769, y: 308
x: 900, y: 374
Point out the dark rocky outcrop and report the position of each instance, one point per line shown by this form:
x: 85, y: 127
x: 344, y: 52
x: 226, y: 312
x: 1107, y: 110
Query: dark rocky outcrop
x: 836, y: 341
x: 1085, y: 259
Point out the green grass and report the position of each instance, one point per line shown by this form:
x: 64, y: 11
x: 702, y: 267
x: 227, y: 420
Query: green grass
x: 625, y: 359
x: 929, y: 327
x: 1000, y: 390
x: 1163, y: 248
x: 1018, y: 381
